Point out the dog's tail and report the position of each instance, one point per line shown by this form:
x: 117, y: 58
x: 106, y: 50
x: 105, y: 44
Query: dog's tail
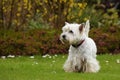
x: 87, y: 27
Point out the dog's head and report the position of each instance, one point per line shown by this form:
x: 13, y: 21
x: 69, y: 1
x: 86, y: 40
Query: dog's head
x: 74, y: 33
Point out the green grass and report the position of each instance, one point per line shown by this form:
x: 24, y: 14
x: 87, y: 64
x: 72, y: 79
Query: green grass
x: 39, y: 68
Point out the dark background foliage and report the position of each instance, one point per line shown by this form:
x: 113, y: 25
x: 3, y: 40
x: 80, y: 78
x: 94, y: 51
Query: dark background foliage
x: 46, y: 41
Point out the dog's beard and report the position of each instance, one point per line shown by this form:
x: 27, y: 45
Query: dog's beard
x: 64, y: 41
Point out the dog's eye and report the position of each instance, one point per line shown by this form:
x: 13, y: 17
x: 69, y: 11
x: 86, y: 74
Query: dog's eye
x: 70, y: 31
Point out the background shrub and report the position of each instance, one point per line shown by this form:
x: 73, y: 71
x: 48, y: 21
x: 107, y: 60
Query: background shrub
x: 107, y: 39
x: 41, y: 41
x: 46, y: 41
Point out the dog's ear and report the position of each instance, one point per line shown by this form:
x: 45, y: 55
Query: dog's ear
x: 81, y: 27
x: 87, y: 27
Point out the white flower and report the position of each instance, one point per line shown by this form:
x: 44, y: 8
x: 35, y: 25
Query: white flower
x: 50, y: 57
x: 11, y: 56
x: 19, y: 56
x: 56, y: 55
x: 54, y: 72
x: 63, y: 56
x: 44, y: 56
x: 118, y: 61
x: 3, y: 57
x: 106, y: 61
x: 32, y: 57
x: 53, y: 61
x: 35, y: 62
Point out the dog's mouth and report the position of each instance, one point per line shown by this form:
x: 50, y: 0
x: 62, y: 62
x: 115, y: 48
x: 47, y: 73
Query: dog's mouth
x: 63, y: 41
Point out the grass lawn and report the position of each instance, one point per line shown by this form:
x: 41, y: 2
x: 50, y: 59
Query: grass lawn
x: 50, y: 68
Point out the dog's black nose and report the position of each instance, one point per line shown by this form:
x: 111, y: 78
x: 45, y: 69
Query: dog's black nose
x: 63, y: 36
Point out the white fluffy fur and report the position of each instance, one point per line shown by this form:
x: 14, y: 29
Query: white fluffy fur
x: 82, y: 58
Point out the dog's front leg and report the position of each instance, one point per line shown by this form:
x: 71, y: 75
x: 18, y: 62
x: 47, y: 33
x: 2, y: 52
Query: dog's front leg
x: 68, y: 65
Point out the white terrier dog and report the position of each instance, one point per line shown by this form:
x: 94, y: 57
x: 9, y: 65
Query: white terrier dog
x: 82, y: 51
